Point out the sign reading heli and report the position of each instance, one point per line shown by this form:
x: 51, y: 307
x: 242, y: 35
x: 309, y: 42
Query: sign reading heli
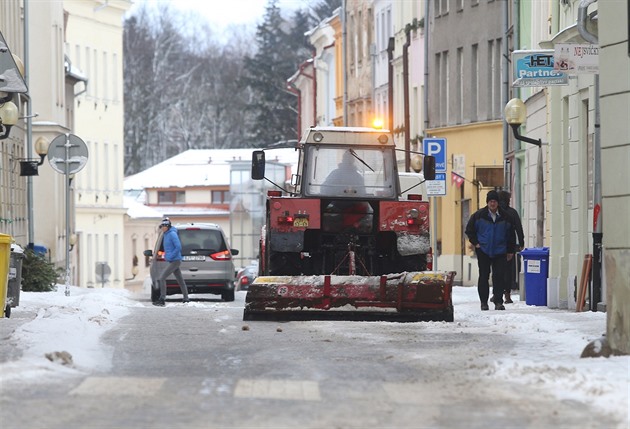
x: 536, y: 68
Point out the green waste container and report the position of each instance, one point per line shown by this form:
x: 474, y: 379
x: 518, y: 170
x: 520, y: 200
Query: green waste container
x: 5, y: 258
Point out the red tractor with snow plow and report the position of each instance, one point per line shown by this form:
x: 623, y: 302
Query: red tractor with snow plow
x: 342, y: 244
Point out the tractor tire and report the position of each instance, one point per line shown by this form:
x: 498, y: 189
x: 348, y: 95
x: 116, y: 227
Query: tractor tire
x: 449, y: 314
x: 413, y: 263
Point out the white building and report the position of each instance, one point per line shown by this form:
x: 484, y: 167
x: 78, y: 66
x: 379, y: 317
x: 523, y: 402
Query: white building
x: 93, y: 45
x: 201, y: 185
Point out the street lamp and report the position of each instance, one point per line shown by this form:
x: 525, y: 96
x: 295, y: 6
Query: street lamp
x: 28, y: 167
x: 8, y: 116
x: 515, y: 115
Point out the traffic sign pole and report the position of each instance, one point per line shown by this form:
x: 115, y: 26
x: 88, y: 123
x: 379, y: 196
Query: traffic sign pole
x: 67, y: 154
x: 436, y: 147
x: 67, y: 145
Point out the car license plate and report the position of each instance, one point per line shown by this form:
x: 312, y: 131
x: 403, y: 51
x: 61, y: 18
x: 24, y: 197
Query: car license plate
x: 194, y: 258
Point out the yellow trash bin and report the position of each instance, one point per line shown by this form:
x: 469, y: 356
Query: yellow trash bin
x: 5, y: 259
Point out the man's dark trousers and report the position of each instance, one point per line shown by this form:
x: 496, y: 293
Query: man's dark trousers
x: 498, y: 266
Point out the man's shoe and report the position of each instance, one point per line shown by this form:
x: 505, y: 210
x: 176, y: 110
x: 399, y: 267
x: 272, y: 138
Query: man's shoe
x: 159, y: 303
x: 484, y: 307
x: 185, y: 301
x: 499, y: 307
x: 508, y: 298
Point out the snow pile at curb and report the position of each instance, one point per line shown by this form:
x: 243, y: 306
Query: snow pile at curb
x: 64, y: 337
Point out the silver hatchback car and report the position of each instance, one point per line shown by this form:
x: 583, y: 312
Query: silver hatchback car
x: 207, y: 265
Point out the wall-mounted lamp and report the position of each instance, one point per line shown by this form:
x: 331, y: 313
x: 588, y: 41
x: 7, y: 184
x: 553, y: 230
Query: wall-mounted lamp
x: 72, y: 241
x: 134, y: 272
x: 8, y: 115
x: 515, y: 116
x: 28, y: 167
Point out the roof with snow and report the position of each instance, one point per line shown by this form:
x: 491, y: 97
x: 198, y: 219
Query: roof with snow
x: 201, y: 167
x: 137, y: 210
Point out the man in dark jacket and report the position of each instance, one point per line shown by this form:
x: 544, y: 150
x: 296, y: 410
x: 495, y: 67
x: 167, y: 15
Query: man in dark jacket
x: 504, y: 203
x: 173, y: 255
x: 491, y: 232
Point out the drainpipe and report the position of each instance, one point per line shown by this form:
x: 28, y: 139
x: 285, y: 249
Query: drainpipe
x: 596, y: 293
x: 390, y: 83
x: 516, y: 45
x: 426, y: 76
x: 434, y: 229
x: 504, y: 101
x: 406, y: 97
x: 344, y: 41
x: 29, y: 131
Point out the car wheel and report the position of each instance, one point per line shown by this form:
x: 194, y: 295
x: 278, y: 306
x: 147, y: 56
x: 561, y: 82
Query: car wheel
x: 227, y: 295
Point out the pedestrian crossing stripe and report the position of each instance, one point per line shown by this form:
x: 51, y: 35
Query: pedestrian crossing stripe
x: 290, y: 390
x: 278, y: 389
x: 117, y: 386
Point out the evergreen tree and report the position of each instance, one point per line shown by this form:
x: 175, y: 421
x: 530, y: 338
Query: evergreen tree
x: 184, y: 90
x: 272, y: 105
x: 324, y: 9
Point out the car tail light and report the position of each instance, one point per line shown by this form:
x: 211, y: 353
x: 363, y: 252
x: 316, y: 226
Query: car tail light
x: 222, y: 256
x: 414, y: 197
x: 160, y: 255
x: 244, y: 280
x: 274, y: 193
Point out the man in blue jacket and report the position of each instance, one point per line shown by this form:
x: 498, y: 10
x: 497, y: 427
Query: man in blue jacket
x: 491, y: 231
x: 173, y: 255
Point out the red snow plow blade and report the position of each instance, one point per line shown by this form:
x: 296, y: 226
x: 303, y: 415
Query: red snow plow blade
x: 403, y: 297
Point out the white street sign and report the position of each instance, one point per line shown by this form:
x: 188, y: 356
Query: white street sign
x: 436, y: 187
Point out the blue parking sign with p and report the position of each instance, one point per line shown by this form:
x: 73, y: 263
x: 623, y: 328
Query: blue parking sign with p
x: 437, y: 148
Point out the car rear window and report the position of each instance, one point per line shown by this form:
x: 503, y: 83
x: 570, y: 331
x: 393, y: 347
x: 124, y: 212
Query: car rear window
x: 197, y: 240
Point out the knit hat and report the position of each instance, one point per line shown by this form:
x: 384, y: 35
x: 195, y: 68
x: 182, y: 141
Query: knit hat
x: 492, y: 195
x: 166, y: 222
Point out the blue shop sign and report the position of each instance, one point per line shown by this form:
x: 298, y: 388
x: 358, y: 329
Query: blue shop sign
x: 535, y: 68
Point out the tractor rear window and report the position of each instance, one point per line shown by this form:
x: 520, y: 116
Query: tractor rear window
x: 349, y: 173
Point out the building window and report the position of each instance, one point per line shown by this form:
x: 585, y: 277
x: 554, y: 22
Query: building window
x: 459, y: 96
x: 474, y: 83
x: 171, y: 197
x: 220, y: 197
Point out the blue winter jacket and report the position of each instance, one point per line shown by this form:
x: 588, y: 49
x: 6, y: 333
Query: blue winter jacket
x: 172, y: 245
x: 494, y: 237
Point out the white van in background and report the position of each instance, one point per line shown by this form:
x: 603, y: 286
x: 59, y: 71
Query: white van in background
x: 412, y: 183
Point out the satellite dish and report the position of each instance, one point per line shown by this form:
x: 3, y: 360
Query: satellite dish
x: 67, y: 154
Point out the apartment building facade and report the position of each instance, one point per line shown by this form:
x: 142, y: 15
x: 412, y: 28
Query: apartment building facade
x: 93, y: 45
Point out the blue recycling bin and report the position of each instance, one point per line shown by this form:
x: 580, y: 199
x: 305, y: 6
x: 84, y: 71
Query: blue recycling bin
x: 536, y: 265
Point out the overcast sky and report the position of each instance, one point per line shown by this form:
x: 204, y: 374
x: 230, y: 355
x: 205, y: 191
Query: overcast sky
x: 225, y: 12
